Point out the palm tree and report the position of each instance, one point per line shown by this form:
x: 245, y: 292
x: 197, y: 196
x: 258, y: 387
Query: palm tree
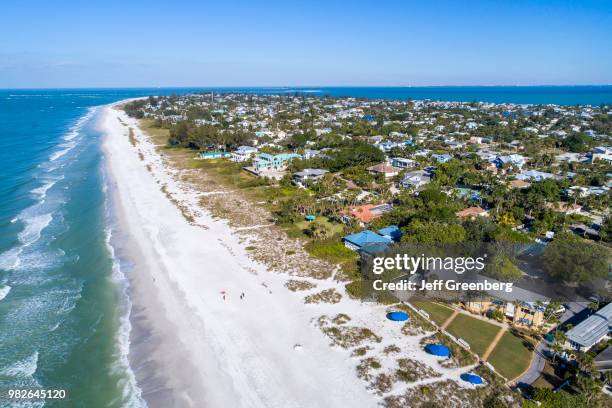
x: 593, y: 306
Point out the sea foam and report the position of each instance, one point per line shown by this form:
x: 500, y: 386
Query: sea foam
x: 22, y: 368
x: 4, y: 291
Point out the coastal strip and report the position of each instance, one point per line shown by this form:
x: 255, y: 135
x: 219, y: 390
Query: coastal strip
x: 196, y: 341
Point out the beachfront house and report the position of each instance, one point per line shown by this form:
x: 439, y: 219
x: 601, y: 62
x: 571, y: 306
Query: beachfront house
x: 364, y: 214
x: 266, y: 161
x: 300, y: 177
x: 358, y: 241
x: 243, y: 153
x: 591, y: 331
x: 521, y: 307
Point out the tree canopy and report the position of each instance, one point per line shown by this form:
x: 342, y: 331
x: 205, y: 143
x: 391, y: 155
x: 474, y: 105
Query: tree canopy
x: 574, y: 259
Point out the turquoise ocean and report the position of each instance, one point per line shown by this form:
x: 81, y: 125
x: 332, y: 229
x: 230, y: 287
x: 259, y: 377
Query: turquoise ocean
x: 64, y: 310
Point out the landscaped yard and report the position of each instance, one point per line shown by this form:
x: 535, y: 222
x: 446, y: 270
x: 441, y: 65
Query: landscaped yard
x: 511, y: 356
x: 478, y: 333
x: 333, y: 229
x: 437, y: 312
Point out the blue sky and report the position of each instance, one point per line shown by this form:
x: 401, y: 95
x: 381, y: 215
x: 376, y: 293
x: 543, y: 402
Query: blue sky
x: 326, y: 43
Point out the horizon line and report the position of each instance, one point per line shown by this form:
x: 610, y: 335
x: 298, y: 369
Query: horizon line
x: 309, y: 86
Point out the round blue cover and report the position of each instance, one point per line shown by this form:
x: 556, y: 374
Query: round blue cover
x: 310, y: 218
x: 398, y: 316
x: 471, y: 378
x: 438, y: 350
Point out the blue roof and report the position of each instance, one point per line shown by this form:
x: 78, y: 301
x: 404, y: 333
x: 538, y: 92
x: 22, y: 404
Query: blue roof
x: 392, y: 231
x: 366, y: 237
x: 438, y: 350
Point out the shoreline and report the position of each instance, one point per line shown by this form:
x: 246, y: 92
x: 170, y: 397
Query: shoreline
x: 189, y: 347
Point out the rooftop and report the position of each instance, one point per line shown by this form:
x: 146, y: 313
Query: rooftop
x: 593, y: 329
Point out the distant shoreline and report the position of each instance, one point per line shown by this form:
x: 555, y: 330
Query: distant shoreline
x: 565, y: 95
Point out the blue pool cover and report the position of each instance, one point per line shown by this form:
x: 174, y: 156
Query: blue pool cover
x: 398, y: 316
x: 471, y: 378
x: 438, y: 350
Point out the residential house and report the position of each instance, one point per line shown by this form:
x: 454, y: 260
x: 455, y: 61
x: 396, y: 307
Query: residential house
x: 243, y: 153
x: 592, y: 330
x: 363, y: 239
x: 521, y: 307
x: 441, y: 158
x: 520, y: 184
x: 364, y: 214
x: 601, y: 153
x: 392, y: 232
x: 310, y: 153
x: 511, y: 160
x: 528, y: 175
x: 402, y: 163
x: 472, y: 212
x: 266, y: 161
x: 387, y: 146
x: 416, y: 179
x: 385, y: 169
x: 565, y: 208
x: 301, y: 177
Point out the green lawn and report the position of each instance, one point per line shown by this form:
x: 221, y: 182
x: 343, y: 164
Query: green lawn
x: 511, y: 356
x: 333, y: 229
x: 479, y: 334
x: 437, y: 312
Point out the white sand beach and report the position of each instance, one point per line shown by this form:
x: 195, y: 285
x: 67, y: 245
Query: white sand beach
x: 197, y: 349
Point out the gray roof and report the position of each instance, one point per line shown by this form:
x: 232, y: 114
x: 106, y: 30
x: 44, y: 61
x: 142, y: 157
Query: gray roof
x: 524, y: 296
x: 593, y: 329
x: 310, y: 173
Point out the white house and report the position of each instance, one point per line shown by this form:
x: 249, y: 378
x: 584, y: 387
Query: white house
x: 415, y: 179
x: 601, y: 153
x: 301, y: 177
x: 243, y: 153
x: 402, y: 163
